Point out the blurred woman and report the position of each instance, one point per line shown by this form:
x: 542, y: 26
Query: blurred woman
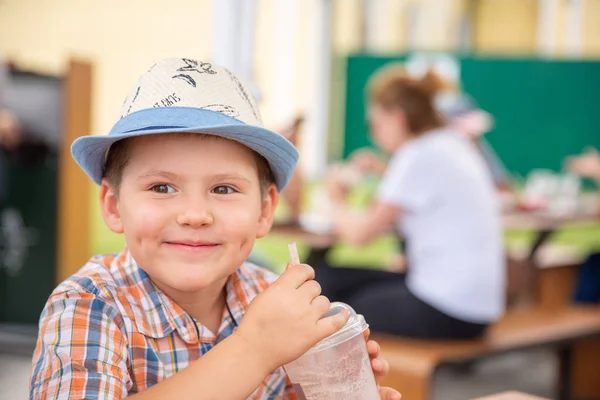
x: 438, y: 192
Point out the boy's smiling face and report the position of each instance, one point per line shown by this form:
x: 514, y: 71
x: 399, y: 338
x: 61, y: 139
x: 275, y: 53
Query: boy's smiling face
x: 190, y: 207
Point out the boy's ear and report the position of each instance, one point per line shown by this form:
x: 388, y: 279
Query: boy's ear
x: 267, y: 213
x: 109, y: 207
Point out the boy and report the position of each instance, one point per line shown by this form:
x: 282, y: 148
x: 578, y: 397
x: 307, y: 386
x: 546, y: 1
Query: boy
x: 191, y: 179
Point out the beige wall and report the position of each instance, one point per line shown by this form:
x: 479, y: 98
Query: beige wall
x: 591, y: 28
x: 435, y: 24
x: 506, y: 26
x: 510, y: 27
x: 122, y: 38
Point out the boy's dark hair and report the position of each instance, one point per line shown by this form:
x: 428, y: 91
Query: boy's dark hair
x: 118, y: 157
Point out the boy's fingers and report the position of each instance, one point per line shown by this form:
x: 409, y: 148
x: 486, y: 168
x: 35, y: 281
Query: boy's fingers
x: 330, y: 325
x: 367, y: 333
x: 389, y: 394
x: 380, y: 368
x: 295, y: 275
x: 321, y: 305
x: 373, y: 348
x: 311, y: 289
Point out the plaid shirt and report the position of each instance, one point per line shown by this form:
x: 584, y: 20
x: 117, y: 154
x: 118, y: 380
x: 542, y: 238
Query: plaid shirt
x: 107, y: 332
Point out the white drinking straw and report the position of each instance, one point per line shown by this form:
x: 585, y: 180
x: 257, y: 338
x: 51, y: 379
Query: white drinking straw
x: 294, y: 253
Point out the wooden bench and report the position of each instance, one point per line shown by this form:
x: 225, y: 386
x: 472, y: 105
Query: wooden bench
x: 510, y: 396
x: 414, y: 362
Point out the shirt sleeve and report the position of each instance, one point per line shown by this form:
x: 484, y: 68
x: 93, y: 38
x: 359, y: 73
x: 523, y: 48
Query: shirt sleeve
x: 408, y: 181
x: 80, y: 351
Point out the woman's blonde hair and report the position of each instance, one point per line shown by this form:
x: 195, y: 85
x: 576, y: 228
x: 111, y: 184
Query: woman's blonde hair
x: 391, y: 87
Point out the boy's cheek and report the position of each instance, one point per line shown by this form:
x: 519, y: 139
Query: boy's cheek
x: 143, y: 217
x: 242, y: 218
x: 239, y: 228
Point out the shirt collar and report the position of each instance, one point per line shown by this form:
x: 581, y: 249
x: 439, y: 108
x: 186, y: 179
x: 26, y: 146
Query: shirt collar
x: 157, y: 316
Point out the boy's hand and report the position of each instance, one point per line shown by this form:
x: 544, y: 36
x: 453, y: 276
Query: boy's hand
x: 380, y: 369
x: 284, y: 321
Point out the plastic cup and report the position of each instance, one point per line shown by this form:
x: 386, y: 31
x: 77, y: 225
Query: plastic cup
x: 338, y: 367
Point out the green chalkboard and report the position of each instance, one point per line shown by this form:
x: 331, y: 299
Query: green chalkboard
x: 544, y: 110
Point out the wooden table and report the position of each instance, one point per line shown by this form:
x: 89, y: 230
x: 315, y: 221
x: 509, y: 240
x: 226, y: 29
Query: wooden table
x: 542, y: 223
x: 511, y: 396
x: 516, y: 220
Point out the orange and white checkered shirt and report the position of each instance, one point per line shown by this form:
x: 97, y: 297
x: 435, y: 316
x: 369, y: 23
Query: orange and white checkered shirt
x: 108, y: 332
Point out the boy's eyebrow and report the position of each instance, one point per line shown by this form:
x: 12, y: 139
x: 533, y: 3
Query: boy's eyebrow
x: 172, y: 176
x: 155, y: 173
x: 226, y: 176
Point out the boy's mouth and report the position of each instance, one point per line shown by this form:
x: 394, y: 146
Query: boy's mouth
x: 192, y: 245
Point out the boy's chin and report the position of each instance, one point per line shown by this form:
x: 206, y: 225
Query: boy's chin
x: 194, y: 284
x: 188, y: 277
x: 186, y: 280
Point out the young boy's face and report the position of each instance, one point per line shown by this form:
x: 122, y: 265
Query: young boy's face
x: 190, y: 207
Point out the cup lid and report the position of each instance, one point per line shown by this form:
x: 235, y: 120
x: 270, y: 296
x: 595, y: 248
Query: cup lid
x: 356, y: 325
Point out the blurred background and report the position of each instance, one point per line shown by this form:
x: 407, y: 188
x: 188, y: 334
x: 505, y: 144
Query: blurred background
x: 533, y: 66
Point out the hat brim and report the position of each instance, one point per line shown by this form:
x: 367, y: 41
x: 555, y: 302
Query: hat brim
x: 90, y: 151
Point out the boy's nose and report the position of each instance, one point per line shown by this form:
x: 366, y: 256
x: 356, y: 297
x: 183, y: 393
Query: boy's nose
x: 195, y: 215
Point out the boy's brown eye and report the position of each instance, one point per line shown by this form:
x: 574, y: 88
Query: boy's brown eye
x: 223, y: 190
x: 162, y: 189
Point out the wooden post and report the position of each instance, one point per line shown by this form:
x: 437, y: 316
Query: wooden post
x: 73, y: 185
